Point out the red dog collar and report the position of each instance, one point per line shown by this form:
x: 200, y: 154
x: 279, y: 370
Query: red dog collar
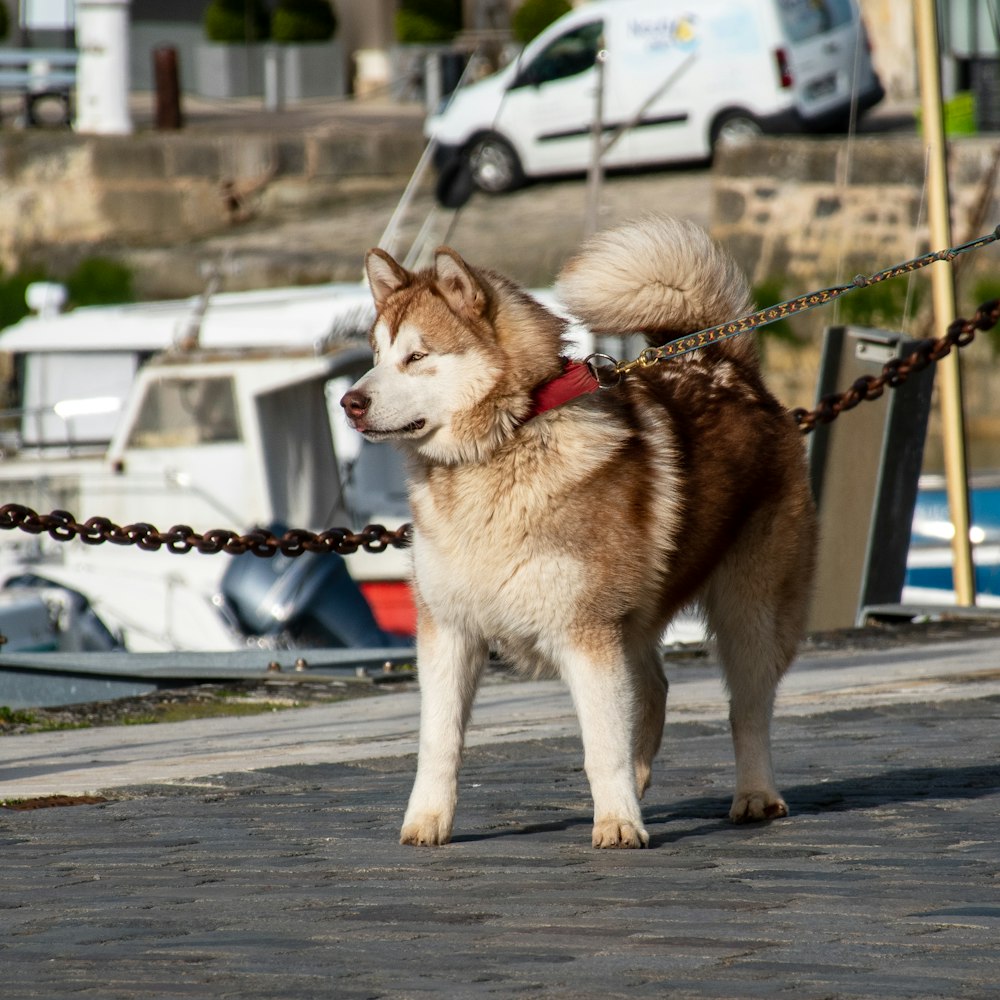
x: 576, y: 380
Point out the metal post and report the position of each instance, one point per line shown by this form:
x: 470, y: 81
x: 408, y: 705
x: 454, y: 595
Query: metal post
x: 274, y: 97
x: 432, y: 80
x: 168, y: 87
x: 943, y: 289
x: 18, y: 36
x: 102, y: 81
x: 595, y: 174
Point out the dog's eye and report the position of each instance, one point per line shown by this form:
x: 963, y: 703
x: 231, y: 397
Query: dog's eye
x: 415, y: 356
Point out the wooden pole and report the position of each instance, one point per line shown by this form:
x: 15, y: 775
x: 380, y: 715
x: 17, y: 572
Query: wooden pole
x: 943, y: 289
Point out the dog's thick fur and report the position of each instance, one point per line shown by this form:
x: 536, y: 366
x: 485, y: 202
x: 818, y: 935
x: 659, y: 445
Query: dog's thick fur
x: 567, y: 541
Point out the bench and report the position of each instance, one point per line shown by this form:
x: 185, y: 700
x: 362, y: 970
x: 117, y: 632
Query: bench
x: 40, y: 74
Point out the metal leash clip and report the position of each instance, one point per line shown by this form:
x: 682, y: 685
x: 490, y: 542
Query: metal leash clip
x: 606, y: 370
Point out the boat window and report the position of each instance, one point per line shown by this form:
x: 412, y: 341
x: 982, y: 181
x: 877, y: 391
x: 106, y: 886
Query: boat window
x: 804, y: 19
x: 74, y: 397
x: 180, y: 412
x: 567, y: 55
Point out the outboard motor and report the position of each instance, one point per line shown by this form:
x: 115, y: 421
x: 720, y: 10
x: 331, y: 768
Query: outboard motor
x: 75, y: 626
x: 311, y: 600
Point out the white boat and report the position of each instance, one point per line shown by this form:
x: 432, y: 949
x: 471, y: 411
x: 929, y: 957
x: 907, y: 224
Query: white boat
x: 930, y: 560
x: 220, y: 417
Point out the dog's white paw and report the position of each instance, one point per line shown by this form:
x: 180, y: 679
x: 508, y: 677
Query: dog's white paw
x: 619, y: 833
x: 426, y: 830
x: 756, y: 806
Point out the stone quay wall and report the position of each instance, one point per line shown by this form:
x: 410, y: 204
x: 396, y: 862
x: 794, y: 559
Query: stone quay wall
x: 815, y: 209
x: 62, y: 194
x: 798, y: 214
x: 803, y: 214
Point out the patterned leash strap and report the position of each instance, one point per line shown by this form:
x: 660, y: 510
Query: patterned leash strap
x: 609, y: 372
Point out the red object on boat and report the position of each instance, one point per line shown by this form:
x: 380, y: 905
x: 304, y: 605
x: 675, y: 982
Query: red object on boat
x: 392, y: 604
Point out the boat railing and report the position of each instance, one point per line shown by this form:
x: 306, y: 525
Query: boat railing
x: 30, y: 430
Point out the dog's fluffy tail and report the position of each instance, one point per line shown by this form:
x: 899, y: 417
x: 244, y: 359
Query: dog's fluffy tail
x: 660, y: 276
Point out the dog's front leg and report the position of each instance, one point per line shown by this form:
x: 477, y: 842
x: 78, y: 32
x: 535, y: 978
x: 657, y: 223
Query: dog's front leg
x: 605, y: 699
x: 449, y: 664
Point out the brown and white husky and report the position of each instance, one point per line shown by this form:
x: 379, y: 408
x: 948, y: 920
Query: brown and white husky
x: 566, y: 539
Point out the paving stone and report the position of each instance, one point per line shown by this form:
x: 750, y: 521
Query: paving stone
x: 884, y: 882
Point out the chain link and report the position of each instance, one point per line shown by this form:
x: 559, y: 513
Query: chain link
x: 896, y: 371
x: 63, y: 527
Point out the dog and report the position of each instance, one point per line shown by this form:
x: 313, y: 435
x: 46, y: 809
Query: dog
x: 566, y: 536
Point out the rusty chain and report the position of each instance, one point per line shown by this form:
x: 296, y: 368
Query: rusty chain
x: 897, y: 370
x: 63, y: 527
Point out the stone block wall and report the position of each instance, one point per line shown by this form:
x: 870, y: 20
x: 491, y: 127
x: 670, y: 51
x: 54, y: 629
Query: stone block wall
x: 810, y: 210
x: 65, y: 191
x: 803, y: 214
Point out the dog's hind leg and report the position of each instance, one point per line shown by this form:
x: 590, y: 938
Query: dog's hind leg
x: 605, y: 695
x: 756, y: 604
x: 450, y: 664
x: 651, y: 705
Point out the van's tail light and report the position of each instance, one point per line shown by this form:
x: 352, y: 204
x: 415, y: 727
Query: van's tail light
x: 784, y: 70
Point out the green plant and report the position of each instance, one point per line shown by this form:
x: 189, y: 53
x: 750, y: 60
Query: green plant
x: 99, y: 281
x: 303, y: 21
x: 12, y: 289
x: 426, y: 21
x: 4, y: 20
x: 237, y: 21
x: 534, y: 16
x: 94, y: 281
x: 986, y: 290
x: 769, y: 293
x: 884, y: 305
x: 11, y: 717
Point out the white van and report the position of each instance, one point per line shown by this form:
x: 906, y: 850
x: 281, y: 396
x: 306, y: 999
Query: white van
x: 735, y: 67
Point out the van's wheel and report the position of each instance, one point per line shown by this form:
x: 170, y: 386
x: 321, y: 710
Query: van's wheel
x: 736, y: 127
x: 494, y: 165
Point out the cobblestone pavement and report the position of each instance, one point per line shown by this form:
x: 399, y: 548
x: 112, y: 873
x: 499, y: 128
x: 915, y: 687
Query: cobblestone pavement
x: 288, y: 882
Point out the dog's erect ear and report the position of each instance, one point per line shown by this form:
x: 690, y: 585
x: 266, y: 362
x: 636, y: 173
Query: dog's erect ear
x: 385, y: 276
x: 458, y: 284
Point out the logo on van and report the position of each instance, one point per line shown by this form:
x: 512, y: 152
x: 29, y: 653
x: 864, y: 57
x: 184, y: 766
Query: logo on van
x: 666, y: 32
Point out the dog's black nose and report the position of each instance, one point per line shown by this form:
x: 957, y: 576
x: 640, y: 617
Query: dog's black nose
x: 355, y: 403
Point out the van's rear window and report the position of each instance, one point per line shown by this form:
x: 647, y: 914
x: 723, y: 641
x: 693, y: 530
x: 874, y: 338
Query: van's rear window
x: 804, y: 19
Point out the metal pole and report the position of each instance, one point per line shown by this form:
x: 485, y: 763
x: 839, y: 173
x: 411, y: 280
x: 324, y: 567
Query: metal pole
x: 387, y: 241
x: 102, y: 75
x: 166, y: 75
x: 18, y: 36
x: 943, y: 289
x: 595, y: 174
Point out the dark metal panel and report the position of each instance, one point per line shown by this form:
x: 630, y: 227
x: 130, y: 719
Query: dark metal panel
x: 864, y: 469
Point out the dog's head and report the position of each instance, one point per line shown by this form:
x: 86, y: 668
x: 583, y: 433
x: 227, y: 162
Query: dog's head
x: 457, y: 354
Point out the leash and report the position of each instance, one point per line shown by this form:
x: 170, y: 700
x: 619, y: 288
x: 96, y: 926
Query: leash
x: 608, y: 371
